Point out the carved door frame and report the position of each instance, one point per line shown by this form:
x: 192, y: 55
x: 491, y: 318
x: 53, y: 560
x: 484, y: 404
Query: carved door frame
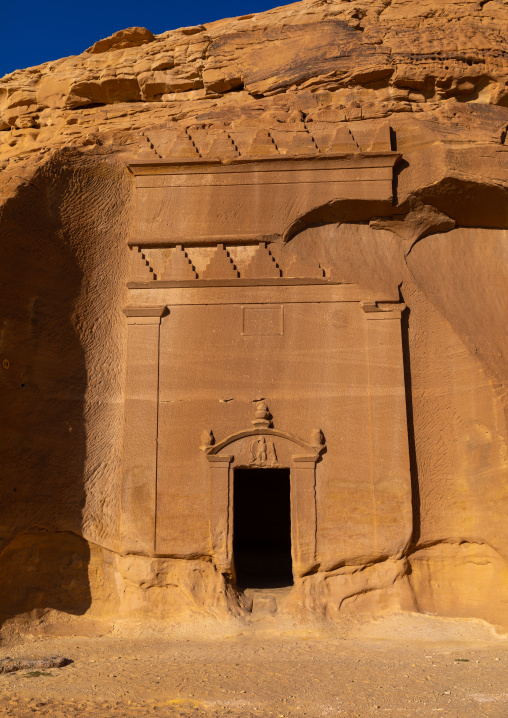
x: 302, y: 476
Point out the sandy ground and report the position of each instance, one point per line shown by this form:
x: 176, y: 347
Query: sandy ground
x: 399, y: 666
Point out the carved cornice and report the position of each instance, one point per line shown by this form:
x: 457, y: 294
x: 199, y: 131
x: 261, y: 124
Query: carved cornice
x: 192, y: 165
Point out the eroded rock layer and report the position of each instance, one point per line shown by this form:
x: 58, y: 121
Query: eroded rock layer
x: 425, y: 80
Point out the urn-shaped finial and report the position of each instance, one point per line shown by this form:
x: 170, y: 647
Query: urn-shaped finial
x: 317, y: 439
x: 207, y: 439
x: 262, y: 416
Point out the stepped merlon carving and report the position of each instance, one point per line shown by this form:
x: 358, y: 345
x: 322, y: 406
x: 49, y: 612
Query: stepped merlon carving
x: 179, y: 267
x: 262, y: 264
x: 300, y: 268
x: 221, y: 266
x: 141, y: 271
x: 381, y: 139
x: 184, y: 147
x: 223, y: 146
x: 302, y: 144
x: 343, y: 142
x: 147, y: 150
x: 197, y: 142
x: 263, y: 144
x: 257, y: 262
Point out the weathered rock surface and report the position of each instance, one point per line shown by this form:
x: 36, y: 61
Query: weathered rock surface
x: 425, y: 79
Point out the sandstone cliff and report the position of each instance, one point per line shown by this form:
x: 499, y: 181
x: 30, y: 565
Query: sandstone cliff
x: 426, y: 79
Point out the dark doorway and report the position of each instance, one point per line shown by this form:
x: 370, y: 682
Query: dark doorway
x: 262, y: 528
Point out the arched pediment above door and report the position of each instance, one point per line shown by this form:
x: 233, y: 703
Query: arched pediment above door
x: 263, y: 445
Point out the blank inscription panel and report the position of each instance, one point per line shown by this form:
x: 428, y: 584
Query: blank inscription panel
x: 263, y: 320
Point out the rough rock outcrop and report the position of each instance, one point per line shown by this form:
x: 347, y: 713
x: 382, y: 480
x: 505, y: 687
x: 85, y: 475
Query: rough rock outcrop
x: 421, y: 78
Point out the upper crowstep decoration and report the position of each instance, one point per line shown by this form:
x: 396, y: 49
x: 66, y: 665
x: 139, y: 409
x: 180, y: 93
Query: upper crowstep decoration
x: 293, y: 139
x: 221, y: 266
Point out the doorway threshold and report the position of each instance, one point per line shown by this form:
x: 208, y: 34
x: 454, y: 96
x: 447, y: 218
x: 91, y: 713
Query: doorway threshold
x: 264, y: 602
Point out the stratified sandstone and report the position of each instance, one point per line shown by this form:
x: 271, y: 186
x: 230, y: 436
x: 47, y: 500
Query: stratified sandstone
x: 270, y: 242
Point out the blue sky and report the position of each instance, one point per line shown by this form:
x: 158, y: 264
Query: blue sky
x: 35, y: 32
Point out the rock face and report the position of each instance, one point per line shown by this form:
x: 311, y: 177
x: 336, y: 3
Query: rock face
x: 276, y: 242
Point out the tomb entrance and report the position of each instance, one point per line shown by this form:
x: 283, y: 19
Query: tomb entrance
x: 262, y: 528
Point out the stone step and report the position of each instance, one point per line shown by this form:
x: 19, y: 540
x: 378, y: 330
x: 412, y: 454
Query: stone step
x: 266, y: 601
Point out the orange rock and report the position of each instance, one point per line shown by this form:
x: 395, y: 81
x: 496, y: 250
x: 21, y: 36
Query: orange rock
x: 131, y: 37
x: 286, y: 232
